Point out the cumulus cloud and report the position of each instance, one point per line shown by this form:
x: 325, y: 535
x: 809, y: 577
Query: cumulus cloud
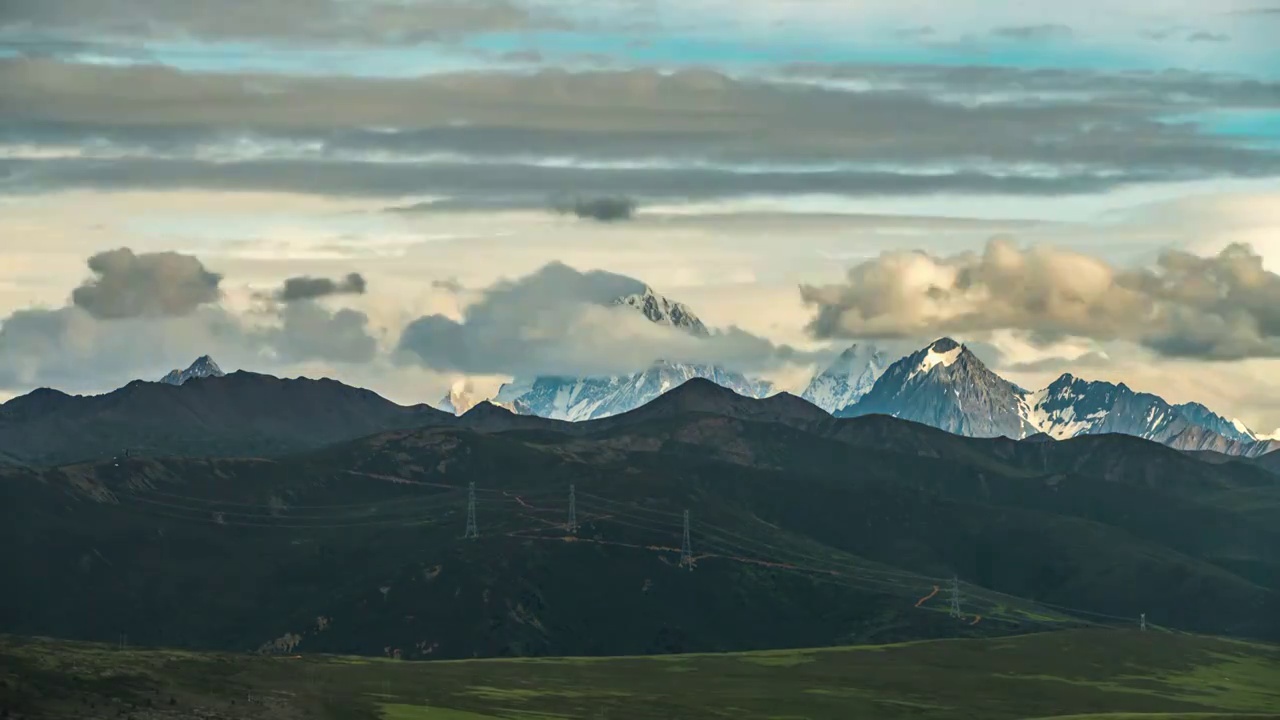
x: 144, y: 314
x: 308, y: 331
x: 148, y: 284
x: 310, y: 288
x: 559, y: 320
x: 1225, y: 307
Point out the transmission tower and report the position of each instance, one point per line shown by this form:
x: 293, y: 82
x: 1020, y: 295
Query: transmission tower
x: 572, y: 525
x: 686, y: 547
x: 472, y: 530
x: 955, y: 597
x: 1142, y: 622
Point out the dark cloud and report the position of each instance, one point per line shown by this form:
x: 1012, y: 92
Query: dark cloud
x: 368, y: 21
x: 1225, y: 307
x: 450, y: 285
x: 600, y: 209
x: 146, y: 285
x: 308, y: 331
x: 500, y: 186
x: 559, y: 320
x: 1034, y: 32
x: 637, y: 135
x: 309, y: 288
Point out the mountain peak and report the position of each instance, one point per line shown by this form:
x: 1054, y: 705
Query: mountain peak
x: 944, y: 352
x: 948, y: 387
x: 203, y: 367
x: 847, y: 379
x: 664, y: 311
x: 945, y: 345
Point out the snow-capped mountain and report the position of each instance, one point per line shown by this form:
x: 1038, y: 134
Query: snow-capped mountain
x: 662, y: 311
x: 587, y: 398
x: 575, y: 399
x: 203, y: 367
x: 846, y: 380
x: 947, y: 386
x: 1069, y: 407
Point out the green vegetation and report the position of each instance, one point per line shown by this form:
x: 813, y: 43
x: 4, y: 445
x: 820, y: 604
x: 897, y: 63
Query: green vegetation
x: 800, y: 539
x: 1117, y: 675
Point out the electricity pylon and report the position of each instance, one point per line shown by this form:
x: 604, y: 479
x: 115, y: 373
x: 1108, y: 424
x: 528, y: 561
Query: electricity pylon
x: 955, y: 597
x: 572, y: 525
x: 473, y: 531
x: 686, y: 547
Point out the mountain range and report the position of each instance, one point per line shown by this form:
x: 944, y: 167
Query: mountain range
x: 805, y: 530
x: 944, y: 385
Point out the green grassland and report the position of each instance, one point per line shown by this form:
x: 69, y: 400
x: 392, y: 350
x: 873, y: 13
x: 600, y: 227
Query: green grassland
x: 1119, y: 675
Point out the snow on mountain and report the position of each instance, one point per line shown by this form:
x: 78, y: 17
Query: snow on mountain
x: 203, y: 367
x: 846, y: 380
x: 587, y: 398
x: 662, y: 311
x: 576, y: 399
x: 947, y: 386
x: 1239, y: 425
x: 1070, y: 407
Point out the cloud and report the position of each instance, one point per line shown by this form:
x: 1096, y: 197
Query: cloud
x: 450, y: 285
x: 562, y: 321
x: 1225, y: 307
x: 310, y: 332
x: 310, y: 288
x: 368, y: 21
x: 147, y: 313
x: 915, y: 33
x: 1034, y: 32
x: 600, y: 209
x: 641, y: 135
x: 1168, y: 89
x: 150, y: 284
x: 1204, y: 36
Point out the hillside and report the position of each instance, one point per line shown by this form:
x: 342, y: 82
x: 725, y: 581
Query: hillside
x: 806, y: 531
x: 1079, y: 674
x: 241, y: 414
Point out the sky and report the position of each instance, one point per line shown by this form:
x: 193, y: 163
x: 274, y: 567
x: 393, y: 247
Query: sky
x: 411, y: 194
